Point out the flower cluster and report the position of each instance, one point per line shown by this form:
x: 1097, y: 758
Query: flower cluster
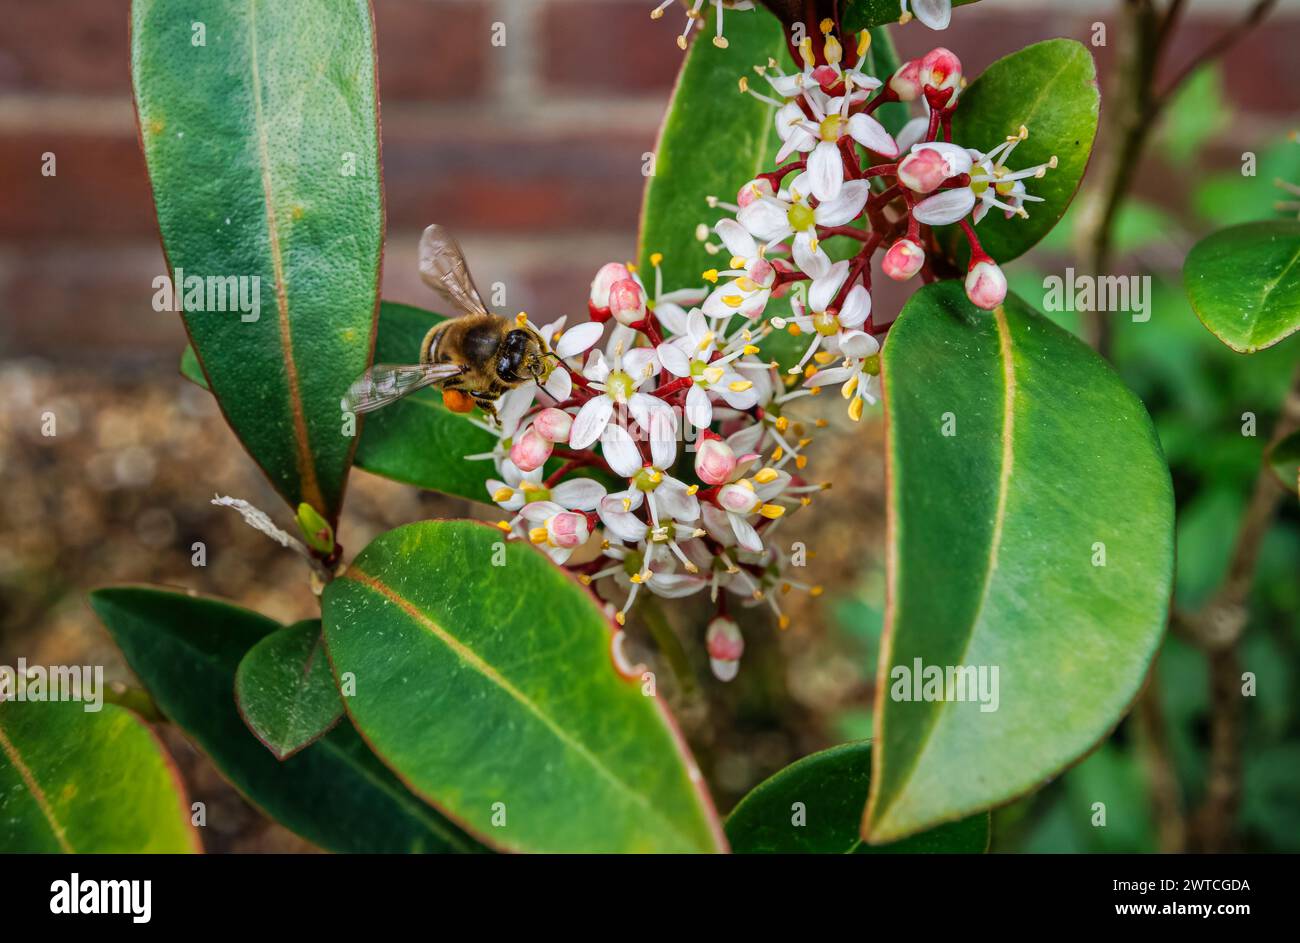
x: 660, y: 457
x: 668, y: 441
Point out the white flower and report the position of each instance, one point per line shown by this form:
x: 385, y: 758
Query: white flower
x: 692, y: 356
x: 859, y: 376
x: 838, y: 330
x: 747, y: 293
x: 991, y: 184
x: 820, y: 138
x: 618, y: 387
x: 555, y: 530
x: 774, y: 218
x: 520, y: 488
x: 727, y: 517
x: 936, y: 14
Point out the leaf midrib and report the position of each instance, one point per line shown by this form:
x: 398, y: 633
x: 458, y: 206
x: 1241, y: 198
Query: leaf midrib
x: 471, y: 659
x: 306, y: 465
x: 38, y: 794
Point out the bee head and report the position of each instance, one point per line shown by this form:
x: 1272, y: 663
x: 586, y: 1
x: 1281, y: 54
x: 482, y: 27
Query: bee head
x: 525, y: 357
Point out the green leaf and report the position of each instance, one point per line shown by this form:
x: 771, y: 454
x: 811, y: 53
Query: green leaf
x: 1284, y: 460
x: 190, y: 368
x: 996, y: 534
x: 490, y: 690
x: 830, y: 789
x: 1244, y: 283
x: 417, y: 440
x: 859, y: 14
x: 335, y: 793
x: 1050, y: 88
x: 285, y: 691
x: 262, y: 147
x: 97, y: 782
x: 713, y: 140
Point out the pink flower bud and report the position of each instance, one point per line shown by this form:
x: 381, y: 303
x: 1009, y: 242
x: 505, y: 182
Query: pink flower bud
x: 530, y: 450
x: 940, y: 69
x: 609, y: 274
x: 986, y: 286
x: 903, y: 260
x: 754, y: 190
x: 553, y: 424
x: 906, y: 82
x: 568, y: 529
x: 627, y: 302
x: 923, y: 170
x: 725, y: 646
x: 714, y: 461
x: 737, y: 498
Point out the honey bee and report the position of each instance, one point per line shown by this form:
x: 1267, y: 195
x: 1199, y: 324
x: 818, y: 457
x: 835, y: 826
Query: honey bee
x: 476, y: 357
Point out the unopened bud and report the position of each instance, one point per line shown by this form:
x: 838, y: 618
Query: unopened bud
x: 598, y: 303
x: 986, y: 286
x: 627, y: 302
x: 903, y: 260
x: 553, y: 424
x: 725, y: 645
x: 714, y: 461
x: 906, y: 82
x: 940, y: 69
x: 568, y: 529
x: 530, y: 451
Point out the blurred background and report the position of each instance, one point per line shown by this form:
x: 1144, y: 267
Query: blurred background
x: 532, y: 153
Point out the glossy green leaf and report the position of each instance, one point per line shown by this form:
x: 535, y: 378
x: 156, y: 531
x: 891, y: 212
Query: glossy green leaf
x: 859, y: 14
x: 1051, y: 89
x: 484, y: 679
x: 1284, y: 460
x: 190, y: 368
x: 285, y: 691
x: 87, y: 782
x: 335, y: 793
x: 262, y: 147
x: 713, y: 140
x: 1244, y: 283
x: 815, y: 806
x: 417, y: 440
x: 1031, y: 533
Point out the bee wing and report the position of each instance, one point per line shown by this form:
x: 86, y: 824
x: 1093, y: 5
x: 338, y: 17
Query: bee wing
x: 443, y: 268
x: 385, y: 383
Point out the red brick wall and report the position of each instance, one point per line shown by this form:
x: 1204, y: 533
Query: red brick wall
x: 531, y: 152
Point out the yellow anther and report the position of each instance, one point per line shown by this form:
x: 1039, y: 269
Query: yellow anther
x: 619, y: 617
x: 809, y: 372
x: 826, y: 25
x: 834, y: 52
x: 733, y: 301
x: 785, y: 589
x: 821, y: 423
x: 783, y: 622
x: 537, y: 535
x: 801, y: 461
x: 737, y: 261
x: 805, y: 501
x: 720, y: 42
x: 849, y: 388
x: 503, y: 494
x: 705, y: 341
x: 764, y: 475
x: 776, y: 456
x: 681, y: 44
x: 713, y: 375
x: 772, y: 511
x: 584, y: 579
x: 750, y: 349
x: 816, y: 591
x: 656, y: 258
x: 902, y: 21
x: 823, y: 357
x: 804, y: 443
x: 636, y: 578
x: 782, y: 423
x: 806, y: 51
x: 794, y: 329
x: 691, y: 567
x: 504, y: 525
x: 627, y: 504
x: 710, y: 276
x: 744, y: 83
x: 692, y: 489
x: 864, y: 42
x: 855, y: 409
x: 746, y: 484
x: 814, y: 391
x: 739, y: 386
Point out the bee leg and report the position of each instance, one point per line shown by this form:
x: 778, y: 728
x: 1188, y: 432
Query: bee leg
x: 489, y: 406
